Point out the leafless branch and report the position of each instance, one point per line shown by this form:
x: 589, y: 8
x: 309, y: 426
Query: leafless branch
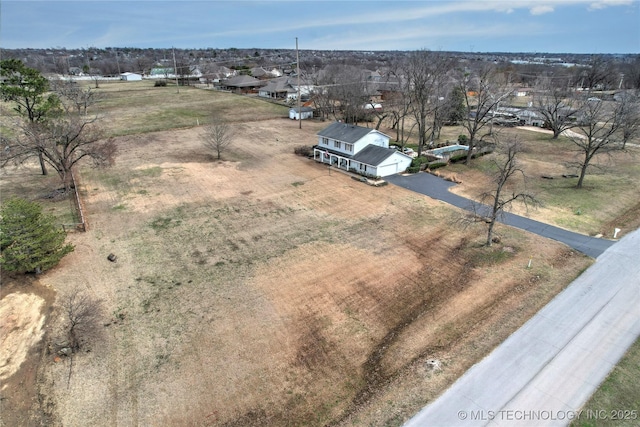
x: 499, y: 199
x: 83, y: 314
x: 217, y: 137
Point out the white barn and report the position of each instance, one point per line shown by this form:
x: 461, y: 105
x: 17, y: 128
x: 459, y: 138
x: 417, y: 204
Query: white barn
x: 131, y: 77
x: 360, y: 150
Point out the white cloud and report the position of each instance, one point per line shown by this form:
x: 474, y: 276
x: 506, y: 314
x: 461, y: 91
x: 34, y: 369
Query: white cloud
x: 601, y: 4
x: 419, y: 37
x: 541, y: 10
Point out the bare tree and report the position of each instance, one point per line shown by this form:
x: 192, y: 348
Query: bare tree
x: 75, y: 99
x: 82, y: 315
x: 217, y: 137
x: 631, y: 74
x: 482, y: 96
x: 557, y: 105
x: 599, y: 125
x: 183, y: 71
x: 599, y: 74
x: 62, y: 142
x: 373, y: 109
x: 425, y: 72
x: 505, y: 191
x: 629, y: 108
x: 396, y: 100
x: 143, y: 65
x: 348, y: 93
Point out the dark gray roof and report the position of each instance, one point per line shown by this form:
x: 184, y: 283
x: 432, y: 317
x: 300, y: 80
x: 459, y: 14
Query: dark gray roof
x: 373, y: 154
x: 303, y: 109
x: 243, y: 81
x: 279, y: 85
x: 344, y: 132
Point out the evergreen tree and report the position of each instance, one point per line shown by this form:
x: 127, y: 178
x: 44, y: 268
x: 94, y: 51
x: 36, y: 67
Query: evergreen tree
x: 29, y: 239
x: 455, y: 109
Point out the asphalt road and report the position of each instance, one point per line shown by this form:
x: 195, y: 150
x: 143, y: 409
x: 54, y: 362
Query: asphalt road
x: 438, y: 188
x: 545, y: 371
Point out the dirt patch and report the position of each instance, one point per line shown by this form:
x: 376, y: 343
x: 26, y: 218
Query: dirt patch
x: 20, y: 329
x: 627, y: 221
x: 25, y: 308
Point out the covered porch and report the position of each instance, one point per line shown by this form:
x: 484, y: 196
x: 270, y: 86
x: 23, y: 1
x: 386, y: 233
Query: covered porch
x: 341, y: 161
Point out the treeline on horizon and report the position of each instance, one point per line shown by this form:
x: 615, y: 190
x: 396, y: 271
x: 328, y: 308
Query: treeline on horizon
x: 112, y: 61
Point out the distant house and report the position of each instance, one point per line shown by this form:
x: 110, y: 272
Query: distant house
x: 131, y: 77
x: 357, y: 149
x: 242, y: 84
x: 387, y: 90
x: 306, y: 87
x: 304, y: 113
x: 261, y: 73
x: 280, y: 88
x: 161, y: 72
x: 276, y: 73
x: 530, y: 118
x: 194, y: 71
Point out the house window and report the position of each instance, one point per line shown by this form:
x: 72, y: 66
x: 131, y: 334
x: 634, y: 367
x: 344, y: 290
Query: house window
x: 336, y: 144
x: 348, y: 147
x: 325, y: 141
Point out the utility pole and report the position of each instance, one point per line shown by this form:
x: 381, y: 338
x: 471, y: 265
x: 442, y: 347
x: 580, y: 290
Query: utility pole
x: 298, y: 73
x: 175, y: 70
x: 118, y: 62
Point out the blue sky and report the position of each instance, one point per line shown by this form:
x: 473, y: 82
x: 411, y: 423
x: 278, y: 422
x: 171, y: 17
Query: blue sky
x: 575, y: 26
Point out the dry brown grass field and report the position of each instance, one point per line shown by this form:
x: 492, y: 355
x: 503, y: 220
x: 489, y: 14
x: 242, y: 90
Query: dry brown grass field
x: 265, y: 289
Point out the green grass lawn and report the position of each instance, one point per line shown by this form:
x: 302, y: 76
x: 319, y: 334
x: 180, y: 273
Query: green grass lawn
x: 617, y: 400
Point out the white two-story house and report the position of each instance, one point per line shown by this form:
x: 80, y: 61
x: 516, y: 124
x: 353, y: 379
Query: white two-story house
x: 357, y: 149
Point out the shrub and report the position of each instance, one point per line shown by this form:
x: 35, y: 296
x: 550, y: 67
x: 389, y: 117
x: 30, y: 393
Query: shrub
x: 303, y: 150
x: 463, y: 139
x: 436, y: 165
x: 417, y: 161
x: 413, y: 169
x: 457, y: 158
x: 160, y: 83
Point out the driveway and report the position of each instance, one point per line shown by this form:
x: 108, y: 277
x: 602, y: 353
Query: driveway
x: 438, y: 188
x: 546, y: 370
